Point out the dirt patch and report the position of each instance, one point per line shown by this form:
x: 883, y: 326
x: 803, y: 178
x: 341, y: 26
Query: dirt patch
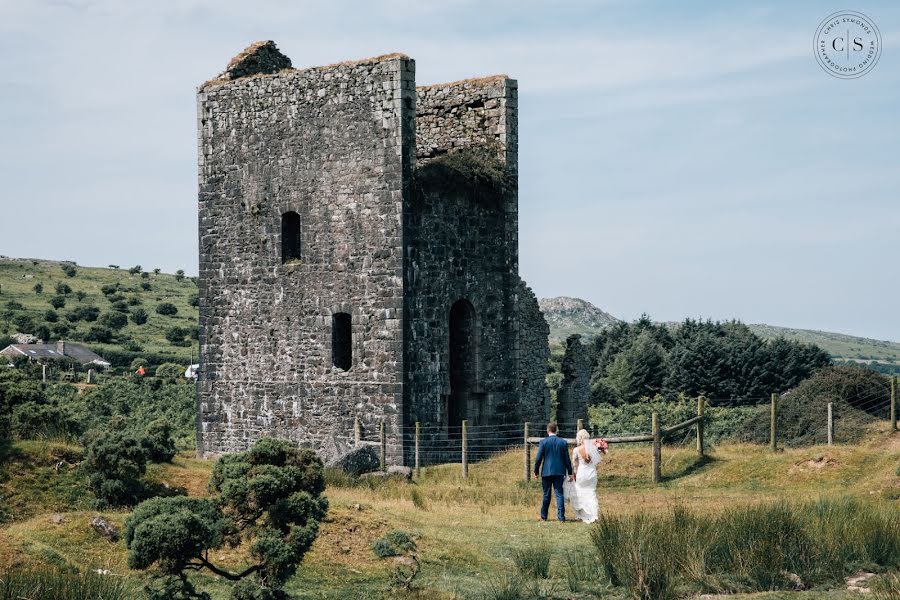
x: 347, y: 535
x: 815, y: 464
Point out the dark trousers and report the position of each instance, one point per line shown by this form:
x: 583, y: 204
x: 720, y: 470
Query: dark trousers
x: 555, y: 483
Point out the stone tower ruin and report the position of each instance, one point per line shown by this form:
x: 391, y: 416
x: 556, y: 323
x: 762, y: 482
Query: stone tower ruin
x: 349, y: 271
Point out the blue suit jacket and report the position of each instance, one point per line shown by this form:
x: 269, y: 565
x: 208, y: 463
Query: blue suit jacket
x: 553, y: 455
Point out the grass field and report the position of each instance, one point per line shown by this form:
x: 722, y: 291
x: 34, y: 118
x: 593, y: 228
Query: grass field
x: 18, y: 278
x: 467, y: 530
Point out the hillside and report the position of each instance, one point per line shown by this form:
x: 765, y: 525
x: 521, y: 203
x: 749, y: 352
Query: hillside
x: 91, y: 302
x: 574, y: 315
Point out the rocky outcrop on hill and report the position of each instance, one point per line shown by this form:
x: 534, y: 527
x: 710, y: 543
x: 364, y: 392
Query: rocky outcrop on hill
x: 567, y: 316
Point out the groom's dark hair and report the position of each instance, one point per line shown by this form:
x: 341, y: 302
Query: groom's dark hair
x: 551, y: 427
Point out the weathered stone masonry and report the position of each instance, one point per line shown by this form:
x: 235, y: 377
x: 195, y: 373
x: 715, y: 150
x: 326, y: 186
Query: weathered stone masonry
x: 321, y: 160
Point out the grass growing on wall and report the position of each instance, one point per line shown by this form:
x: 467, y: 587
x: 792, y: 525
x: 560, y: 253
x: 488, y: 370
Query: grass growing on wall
x: 477, y: 172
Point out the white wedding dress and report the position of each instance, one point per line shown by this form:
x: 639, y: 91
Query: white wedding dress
x: 582, y: 493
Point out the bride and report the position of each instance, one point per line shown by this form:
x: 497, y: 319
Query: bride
x: 582, y: 492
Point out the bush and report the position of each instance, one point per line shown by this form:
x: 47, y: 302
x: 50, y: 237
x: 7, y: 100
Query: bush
x: 393, y: 543
x: 169, y: 371
x: 135, y: 269
x: 139, y: 316
x: 69, y: 270
x: 38, y: 288
x: 35, y: 420
x: 60, y: 330
x: 114, y: 320
x: 51, y: 316
x: 194, y: 300
x: 83, y: 313
x: 134, y: 301
x: 109, y: 289
x: 57, y: 302
x: 121, y: 307
x: 269, y: 496
x: 80, y: 295
x: 63, y: 289
x: 179, y: 275
x: 23, y: 323
x: 56, y: 583
x: 167, y: 309
x: 158, y: 442
x: 145, y: 285
x: 42, y: 332
x: 175, y: 335
x: 99, y: 334
x: 114, y: 463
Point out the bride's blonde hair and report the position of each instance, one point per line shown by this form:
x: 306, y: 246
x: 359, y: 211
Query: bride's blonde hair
x: 581, y: 436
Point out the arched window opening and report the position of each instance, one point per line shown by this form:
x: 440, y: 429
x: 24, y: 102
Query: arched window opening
x: 341, y: 341
x: 290, y: 237
x: 463, y: 364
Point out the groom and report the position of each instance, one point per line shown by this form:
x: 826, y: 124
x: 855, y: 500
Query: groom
x: 553, y: 454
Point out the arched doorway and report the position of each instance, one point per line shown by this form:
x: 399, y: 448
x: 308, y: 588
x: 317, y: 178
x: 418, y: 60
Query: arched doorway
x: 463, y: 363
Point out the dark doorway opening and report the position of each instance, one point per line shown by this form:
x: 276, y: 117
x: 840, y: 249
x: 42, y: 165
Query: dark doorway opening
x: 290, y: 237
x: 463, y: 364
x: 341, y: 341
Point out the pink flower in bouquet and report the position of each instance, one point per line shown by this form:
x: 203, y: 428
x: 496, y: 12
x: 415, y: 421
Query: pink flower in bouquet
x: 602, y: 445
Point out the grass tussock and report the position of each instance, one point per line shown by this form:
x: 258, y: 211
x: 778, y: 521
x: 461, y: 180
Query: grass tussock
x: 533, y: 561
x: 756, y: 548
x: 50, y: 583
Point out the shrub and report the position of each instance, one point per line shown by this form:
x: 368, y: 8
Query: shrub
x: 393, y: 543
x: 114, y: 463
x: 138, y: 363
x: 167, y: 309
x: 80, y: 295
x: 60, y: 330
x: 194, y: 300
x: 169, y: 371
x: 42, y: 332
x: 64, y: 289
x: 23, y: 323
x: 134, y: 301
x: 135, y: 269
x: 83, y: 313
x: 69, y: 270
x: 156, y: 271
x: 113, y: 320
x: 33, y: 420
x: 38, y: 288
x: 57, y: 302
x: 121, y: 306
x: 13, y: 305
x: 145, y: 285
x: 179, y: 275
x: 98, y: 334
x: 269, y: 495
x: 158, y: 442
x: 533, y: 561
x: 145, y: 275
x: 175, y: 335
x: 114, y: 267
x: 109, y: 289
x: 139, y: 316
x: 57, y: 583
x: 51, y: 316
x: 132, y: 346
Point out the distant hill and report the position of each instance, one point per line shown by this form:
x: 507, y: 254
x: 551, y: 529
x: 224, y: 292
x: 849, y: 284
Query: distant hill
x: 567, y: 315
x: 28, y: 288
x: 574, y: 315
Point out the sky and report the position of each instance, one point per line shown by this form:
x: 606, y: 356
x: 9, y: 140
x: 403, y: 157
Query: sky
x: 676, y: 159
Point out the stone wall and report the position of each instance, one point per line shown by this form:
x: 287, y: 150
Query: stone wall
x: 335, y: 145
x: 534, y: 352
x: 574, y: 391
x: 453, y: 116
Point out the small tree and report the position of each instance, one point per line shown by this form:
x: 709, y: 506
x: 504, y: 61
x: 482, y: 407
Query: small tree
x: 145, y: 285
x: 99, y: 334
x: 156, y: 271
x: 63, y: 289
x: 269, y: 496
x: 114, y: 463
x: 179, y: 274
x: 80, y: 295
x: 51, y: 316
x: 139, y: 316
x: 38, y: 288
x: 58, y: 302
x: 194, y: 300
x: 158, y: 442
x: 70, y: 270
x: 135, y: 269
x: 114, y: 267
x: 169, y: 371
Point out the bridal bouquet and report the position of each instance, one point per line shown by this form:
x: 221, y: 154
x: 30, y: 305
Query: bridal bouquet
x: 602, y: 445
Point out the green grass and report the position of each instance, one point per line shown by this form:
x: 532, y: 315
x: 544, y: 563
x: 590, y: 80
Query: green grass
x: 51, y: 583
x: 18, y: 278
x: 468, y: 538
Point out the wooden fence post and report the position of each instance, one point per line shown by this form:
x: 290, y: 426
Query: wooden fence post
x: 894, y: 403
x: 465, y: 449
x: 44, y: 372
x: 657, y: 450
x: 579, y: 425
x: 383, y: 441
x: 418, y: 467
x: 357, y: 431
x: 830, y: 425
x: 527, y: 454
x: 773, y: 417
x: 700, y: 403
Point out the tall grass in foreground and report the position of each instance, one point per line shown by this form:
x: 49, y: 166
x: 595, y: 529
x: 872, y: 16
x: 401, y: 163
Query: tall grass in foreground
x: 48, y: 583
x: 754, y: 548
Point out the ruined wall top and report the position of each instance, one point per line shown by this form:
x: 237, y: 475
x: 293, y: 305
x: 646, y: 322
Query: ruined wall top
x: 457, y: 115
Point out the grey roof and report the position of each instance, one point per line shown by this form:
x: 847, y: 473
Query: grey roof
x: 74, y: 351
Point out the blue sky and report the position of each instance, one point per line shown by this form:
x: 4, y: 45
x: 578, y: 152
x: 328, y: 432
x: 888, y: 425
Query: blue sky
x: 680, y: 159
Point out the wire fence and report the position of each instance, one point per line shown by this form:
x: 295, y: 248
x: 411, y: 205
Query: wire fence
x: 422, y: 445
